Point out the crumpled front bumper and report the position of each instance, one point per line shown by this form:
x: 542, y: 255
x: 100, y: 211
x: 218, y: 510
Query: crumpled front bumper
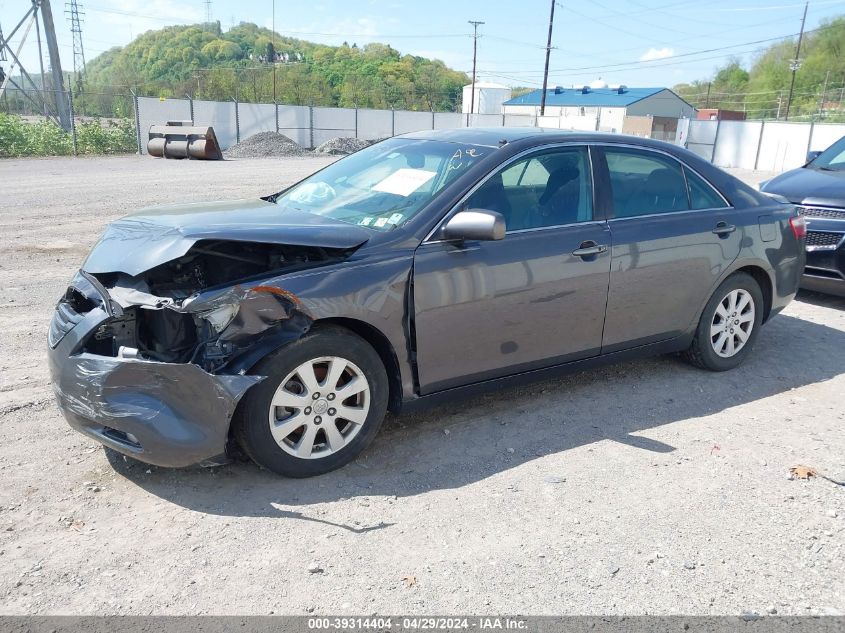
x: 167, y: 414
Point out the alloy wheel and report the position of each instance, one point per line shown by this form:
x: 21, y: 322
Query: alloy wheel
x: 732, y: 323
x: 319, y: 407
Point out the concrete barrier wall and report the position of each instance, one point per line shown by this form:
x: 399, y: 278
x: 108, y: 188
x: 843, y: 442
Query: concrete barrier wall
x: 256, y: 117
x: 765, y: 145
x: 220, y: 115
x: 412, y: 121
x: 375, y: 124
x: 448, y: 120
x: 737, y: 146
x: 825, y: 135
x: 783, y: 146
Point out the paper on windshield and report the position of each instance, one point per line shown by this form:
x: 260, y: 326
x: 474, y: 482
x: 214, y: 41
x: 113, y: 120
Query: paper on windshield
x: 404, y: 182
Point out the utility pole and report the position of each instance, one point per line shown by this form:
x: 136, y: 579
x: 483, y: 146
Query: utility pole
x: 548, y: 54
x: 824, y: 95
x: 475, y: 25
x: 795, y: 64
x: 273, y: 60
x: 707, y: 98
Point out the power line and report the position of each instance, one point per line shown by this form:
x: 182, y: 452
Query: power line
x: 657, y: 63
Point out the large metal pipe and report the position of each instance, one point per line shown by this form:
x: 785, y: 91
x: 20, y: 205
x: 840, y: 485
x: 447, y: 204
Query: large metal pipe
x: 179, y: 139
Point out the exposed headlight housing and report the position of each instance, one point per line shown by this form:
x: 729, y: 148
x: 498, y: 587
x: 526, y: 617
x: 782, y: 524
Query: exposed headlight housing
x: 220, y: 318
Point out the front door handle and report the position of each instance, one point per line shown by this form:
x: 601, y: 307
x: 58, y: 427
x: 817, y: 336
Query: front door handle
x: 723, y: 229
x: 589, y: 249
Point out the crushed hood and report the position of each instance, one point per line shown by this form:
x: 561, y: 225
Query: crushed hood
x: 809, y: 186
x: 153, y: 236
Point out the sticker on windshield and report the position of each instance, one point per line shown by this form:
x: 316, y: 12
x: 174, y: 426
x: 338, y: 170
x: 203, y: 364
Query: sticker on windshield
x: 366, y: 221
x: 380, y: 222
x: 404, y: 182
x: 396, y: 218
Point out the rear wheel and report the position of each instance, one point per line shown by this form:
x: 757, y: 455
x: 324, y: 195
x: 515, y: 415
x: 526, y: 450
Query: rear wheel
x: 729, y: 324
x: 322, y: 403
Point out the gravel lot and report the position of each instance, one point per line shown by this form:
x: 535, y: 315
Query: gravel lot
x: 647, y: 487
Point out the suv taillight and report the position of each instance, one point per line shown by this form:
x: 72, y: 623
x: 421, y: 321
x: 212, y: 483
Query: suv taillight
x: 799, y: 226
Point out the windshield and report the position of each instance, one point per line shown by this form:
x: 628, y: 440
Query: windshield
x: 382, y: 186
x: 832, y: 159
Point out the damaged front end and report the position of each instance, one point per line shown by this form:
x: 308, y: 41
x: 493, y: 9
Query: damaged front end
x: 188, y: 310
x: 153, y: 364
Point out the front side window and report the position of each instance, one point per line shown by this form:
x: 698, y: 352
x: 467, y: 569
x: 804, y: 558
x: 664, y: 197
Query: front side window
x: 384, y: 185
x: 550, y: 188
x: 643, y: 183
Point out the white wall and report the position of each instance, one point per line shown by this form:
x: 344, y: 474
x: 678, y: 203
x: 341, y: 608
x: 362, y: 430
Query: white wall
x: 611, y: 119
x: 825, y: 135
x: 783, y: 145
x: 764, y: 145
x: 771, y: 145
x: 221, y: 116
x: 737, y: 146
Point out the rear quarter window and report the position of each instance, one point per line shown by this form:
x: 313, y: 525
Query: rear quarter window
x: 702, y: 194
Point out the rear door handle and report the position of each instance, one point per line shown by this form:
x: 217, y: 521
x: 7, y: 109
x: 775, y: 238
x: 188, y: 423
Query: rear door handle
x: 589, y: 249
x: 724, y: 229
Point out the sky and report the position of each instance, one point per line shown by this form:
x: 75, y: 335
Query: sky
x: 642, y: 43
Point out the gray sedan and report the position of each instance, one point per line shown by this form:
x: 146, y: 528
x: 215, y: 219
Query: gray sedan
x: 426, y: 266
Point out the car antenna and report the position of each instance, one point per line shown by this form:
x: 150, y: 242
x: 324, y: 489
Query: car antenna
x: 503, y: 142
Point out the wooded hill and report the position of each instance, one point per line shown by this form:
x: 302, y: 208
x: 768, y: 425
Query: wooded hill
x: 762, y: 89
x: 208, y: 63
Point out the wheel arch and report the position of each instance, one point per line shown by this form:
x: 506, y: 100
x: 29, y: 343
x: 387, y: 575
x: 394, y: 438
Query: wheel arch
x: 384, y: 349
x: 763, y: 280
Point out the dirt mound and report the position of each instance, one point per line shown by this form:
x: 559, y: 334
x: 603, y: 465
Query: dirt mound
x: 342, y: 146
x: 264, y: 144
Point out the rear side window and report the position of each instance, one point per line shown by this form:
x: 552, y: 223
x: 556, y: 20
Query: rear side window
x: 701, y: 194
x: 644, y: 183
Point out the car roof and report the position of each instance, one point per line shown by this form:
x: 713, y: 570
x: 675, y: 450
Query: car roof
x: 498, y: 136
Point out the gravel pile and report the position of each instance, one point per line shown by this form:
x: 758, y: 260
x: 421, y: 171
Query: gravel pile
x: 265, y: 144
x: 342, y: 146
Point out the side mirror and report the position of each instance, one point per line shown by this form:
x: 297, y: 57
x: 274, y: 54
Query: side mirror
x: 475, y: 224
x: 811, y: 156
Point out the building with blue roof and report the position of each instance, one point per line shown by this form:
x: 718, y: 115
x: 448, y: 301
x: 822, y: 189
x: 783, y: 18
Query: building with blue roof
x: 641, y: 111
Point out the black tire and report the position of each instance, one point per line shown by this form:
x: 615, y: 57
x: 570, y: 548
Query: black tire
x: 701, y: 352
x: 251, y: 426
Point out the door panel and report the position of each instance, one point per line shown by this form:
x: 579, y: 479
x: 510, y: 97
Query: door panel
x: 663, y: 267
x: 666, y: 258
x: 489, y: 309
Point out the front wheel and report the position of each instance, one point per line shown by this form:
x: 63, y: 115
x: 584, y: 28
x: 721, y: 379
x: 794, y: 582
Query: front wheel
x: 322, y: 403
x: 729, y: 324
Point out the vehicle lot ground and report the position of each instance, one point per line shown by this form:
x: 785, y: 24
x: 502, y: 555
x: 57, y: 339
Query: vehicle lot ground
x: 647, y: 487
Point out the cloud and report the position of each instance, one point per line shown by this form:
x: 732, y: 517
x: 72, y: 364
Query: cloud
x: 657, y: 53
